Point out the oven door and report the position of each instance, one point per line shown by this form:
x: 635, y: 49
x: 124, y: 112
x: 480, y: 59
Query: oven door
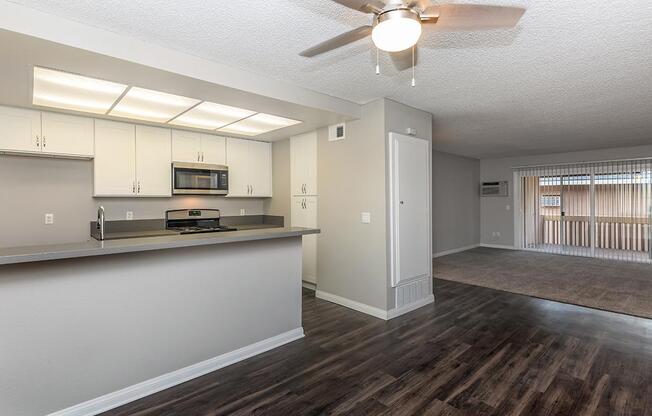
x: 199, y: 178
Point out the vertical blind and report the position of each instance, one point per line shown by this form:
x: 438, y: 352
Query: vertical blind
x: 598, y: 209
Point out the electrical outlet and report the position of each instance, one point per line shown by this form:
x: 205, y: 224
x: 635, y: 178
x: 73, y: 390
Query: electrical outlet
x: 130, y: 215
x: 242, y: 211
x: 365, y: 217
x: 49, y: 219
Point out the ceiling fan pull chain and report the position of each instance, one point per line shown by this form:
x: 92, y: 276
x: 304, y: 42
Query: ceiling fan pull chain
x: 377, y: 63
x: 414, y: 82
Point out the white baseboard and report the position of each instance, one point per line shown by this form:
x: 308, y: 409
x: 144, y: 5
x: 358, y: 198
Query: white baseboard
x: 454, y: 250
x: 137, y: 391
x: 309, y: 285
x: 393, y: 313
x: 352, y: 304
x: 372, y: 310
x: 504, y: 247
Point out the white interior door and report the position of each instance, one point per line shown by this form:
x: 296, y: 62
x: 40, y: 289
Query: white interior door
x: 115, y: 159
x: 153, y: 161
x: 213, y: 149
x: 186, y: 146
x: 260, y: 168
x: 67, y: 135
x: 237, y: 159
x: 410, y: 201
x: 20, y: 129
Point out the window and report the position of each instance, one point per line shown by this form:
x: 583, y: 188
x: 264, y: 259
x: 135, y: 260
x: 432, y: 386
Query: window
x: 550, y: 200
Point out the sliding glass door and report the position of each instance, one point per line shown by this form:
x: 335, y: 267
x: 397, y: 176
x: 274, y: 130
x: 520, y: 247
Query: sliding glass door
x: 596, y: 209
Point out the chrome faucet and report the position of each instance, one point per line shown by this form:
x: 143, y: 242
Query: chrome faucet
x: 100, y: 222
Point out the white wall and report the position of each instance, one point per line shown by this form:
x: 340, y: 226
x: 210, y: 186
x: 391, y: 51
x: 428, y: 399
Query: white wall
x: 455, y: 202
x: 33, y: 186
x: 495, y: 217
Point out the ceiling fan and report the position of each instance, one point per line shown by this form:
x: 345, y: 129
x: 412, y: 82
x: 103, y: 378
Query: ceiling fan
x: 397, y: 24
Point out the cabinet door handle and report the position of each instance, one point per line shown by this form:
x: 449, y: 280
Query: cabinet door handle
x: 138, y: 186
x: 44, y: 143
x: 202, y: 156
x: 38, y: 141
x: 252, y: 189
x: 133, y: 187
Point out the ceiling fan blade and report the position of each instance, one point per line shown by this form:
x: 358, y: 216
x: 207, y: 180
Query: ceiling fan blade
x: 338, y: 41
x: 402, y: 60
x: 472, y: 17
x: 366, y: 6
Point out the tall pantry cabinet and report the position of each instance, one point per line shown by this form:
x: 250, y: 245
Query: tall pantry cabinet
x: 303, y: 184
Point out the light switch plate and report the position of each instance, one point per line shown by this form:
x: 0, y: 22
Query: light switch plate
x: 49, y: 219
x: 365, y: 217
x: 130, y: 215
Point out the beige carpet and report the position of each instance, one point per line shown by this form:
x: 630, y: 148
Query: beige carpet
x: 602, y: 284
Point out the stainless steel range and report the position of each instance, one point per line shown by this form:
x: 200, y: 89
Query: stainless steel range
x: 190, y: 221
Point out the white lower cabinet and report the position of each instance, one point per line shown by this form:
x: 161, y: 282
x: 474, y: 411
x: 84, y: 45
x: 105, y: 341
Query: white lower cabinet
x: 250, y: 168
x: 304, y: 214
x: 131, y: 161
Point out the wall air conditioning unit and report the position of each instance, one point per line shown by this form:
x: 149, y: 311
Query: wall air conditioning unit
x: 499, y: 188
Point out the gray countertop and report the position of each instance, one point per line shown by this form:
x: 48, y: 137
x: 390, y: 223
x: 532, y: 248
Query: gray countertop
x: 92, y: 247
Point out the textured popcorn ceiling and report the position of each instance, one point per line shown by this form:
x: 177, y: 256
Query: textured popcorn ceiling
x: 573, y: 75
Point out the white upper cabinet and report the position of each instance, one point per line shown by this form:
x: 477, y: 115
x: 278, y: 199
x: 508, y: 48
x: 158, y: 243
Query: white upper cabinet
x: 260, y: 168
x: 191, y: 147
x: 115, y: 159
x: 20, y: 130
x: 132, y: 161
x: 250, y: 168
x: 213, y: 149
x: 153, y: 161
x: 30, y: 131
x: 186, y: 146
x: 237, y: 159
x: 303, y: 161
x: 62, y: 134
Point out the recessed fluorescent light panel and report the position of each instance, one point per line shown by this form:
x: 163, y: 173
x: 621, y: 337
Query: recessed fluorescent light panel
x: 211, y: 116
x: 258, y: 124
x: 150, y: 105
x: 74, y: 92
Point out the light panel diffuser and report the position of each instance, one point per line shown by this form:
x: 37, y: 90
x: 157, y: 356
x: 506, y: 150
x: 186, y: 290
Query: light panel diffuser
x: 211, y: 116
x: 149, y: 105
x: 258, y: 124
x: 74, y: 92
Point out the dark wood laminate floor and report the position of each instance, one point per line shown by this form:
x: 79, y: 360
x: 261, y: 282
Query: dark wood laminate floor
x: 476, y: 351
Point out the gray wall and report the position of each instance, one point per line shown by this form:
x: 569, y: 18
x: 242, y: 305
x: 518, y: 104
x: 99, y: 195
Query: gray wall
x: 351, y: 260
x: 352, y: 178
x: 279, y: 203
x: 497, y: 214
x: 455, y: 201
x: 33, y: 186
x: 73, y: 330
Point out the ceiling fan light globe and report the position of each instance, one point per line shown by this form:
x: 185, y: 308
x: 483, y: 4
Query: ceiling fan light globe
x: 394, y: 34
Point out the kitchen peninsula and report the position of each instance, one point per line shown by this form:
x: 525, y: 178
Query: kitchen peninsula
x: 100, y: 323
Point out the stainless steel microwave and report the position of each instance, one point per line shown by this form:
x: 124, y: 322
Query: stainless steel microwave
x: 199, y: 178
